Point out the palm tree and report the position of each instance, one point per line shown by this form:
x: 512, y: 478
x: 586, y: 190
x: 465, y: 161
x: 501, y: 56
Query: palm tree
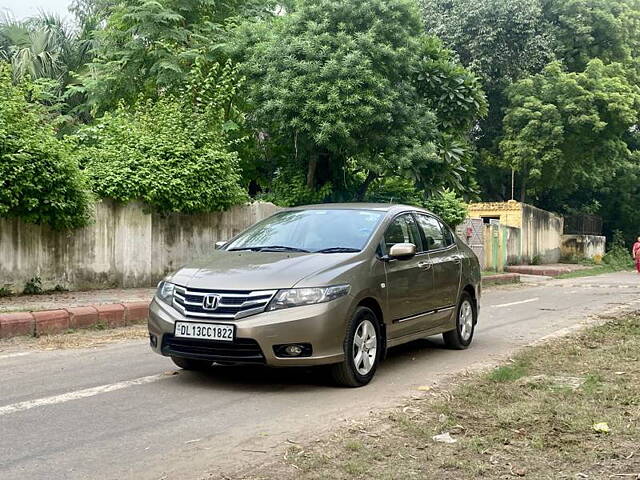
x: 34, y: 47
x: 47, y: 47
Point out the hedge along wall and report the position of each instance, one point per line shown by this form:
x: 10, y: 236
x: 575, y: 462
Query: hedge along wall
x: 125, y: 246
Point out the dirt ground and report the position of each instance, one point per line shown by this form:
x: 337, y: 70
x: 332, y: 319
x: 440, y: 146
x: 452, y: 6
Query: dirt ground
x: 568, y: 409
x: 53, y: 300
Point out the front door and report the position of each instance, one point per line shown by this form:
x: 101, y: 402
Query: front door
x: 408, y: 281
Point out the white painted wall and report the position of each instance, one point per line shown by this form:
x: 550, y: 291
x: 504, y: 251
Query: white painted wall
x: 126, y: 246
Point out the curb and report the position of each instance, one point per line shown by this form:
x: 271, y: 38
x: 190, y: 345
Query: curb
x: 536, y: 270
x: 47, y: 322
x: 500, y: 279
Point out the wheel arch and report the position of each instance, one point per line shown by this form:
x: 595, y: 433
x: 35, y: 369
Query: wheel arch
x: 471, y: 290
x: 373, y: 304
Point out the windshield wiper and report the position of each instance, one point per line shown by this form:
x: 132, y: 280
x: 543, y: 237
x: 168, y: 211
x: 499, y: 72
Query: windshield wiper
x: 270, y: 248
x: 338, y: 250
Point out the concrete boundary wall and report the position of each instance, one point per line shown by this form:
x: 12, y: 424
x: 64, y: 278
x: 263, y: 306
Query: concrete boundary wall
x: 125, y: 246
x: 586, y: 246
x: 541, y: 235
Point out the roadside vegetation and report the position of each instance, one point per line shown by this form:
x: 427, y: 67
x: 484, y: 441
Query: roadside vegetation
x: 591, y: 271
x: 615, y: 260
x: 569, y: 408
x: 195, y: 105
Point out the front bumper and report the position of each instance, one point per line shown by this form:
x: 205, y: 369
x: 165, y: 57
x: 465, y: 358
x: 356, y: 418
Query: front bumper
x: 322, y: 325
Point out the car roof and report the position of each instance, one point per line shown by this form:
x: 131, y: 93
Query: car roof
x: 382, y: 207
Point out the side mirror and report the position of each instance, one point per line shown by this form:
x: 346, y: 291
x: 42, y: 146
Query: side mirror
x: 402, y: 251
x: 219, y: 245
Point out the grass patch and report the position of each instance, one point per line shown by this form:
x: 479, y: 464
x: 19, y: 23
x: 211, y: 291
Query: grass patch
x: 490, y: 273
x: 508, y: 373
x: 538, y: 417
x: 596, y: 270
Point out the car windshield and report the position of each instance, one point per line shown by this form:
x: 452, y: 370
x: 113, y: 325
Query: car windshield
x: 328, y: 231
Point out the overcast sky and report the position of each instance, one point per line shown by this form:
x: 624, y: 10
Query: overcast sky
x: 21, y: 9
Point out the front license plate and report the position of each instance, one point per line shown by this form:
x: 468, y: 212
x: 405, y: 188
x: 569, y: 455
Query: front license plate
x: 205, y: 331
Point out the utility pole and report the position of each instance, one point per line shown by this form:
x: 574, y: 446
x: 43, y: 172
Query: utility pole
x: 513, y: 175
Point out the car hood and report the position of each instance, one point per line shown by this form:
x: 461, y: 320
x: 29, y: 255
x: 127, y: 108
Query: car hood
x: 256, y: 270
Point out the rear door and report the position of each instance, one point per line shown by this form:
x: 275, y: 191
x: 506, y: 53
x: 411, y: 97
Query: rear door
x: 408, y: 281
x: 445, y: 263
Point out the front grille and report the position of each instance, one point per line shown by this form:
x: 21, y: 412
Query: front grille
x: 232, y: 304
x: 241, y: 350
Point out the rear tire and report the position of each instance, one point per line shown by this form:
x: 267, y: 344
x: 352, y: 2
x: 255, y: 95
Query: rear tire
x: 191, y: 364
x: 466, y: 318
x: 362, y: 349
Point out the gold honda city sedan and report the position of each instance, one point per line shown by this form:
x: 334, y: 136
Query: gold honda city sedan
x: 332, y: 284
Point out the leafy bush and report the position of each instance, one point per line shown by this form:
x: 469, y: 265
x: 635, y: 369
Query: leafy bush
x: 445, y: 203
x: 39, y: 180
x: 451, y: 208
x: 618, y: 256
x: 289, y: 189
x: 33, y: 287
x: 5, y: 292
x: 172, y: 153
x: 394, y: 190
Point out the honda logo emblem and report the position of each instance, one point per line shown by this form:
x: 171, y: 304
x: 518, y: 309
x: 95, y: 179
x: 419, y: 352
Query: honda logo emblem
x: 210, y: 302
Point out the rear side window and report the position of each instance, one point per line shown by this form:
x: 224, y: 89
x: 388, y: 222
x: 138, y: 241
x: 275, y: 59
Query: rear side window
x: 402, y: 230
x: 435, y: 234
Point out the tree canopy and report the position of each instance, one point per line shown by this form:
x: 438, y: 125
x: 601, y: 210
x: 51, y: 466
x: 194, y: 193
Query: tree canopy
x: 561, y: 80
x: 357, y: 89
x: 566, y: 131
x: 432, y: 102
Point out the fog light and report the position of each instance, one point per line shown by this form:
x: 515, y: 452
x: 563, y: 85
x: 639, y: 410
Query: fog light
x: 153, y: 340
x: 293, y: 350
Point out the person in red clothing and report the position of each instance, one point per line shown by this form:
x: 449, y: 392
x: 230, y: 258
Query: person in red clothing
x: 636, y: 254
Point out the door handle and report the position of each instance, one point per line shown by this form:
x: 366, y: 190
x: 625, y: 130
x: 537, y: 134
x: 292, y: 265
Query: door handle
x: 425, y: 265
x: 457, y: 259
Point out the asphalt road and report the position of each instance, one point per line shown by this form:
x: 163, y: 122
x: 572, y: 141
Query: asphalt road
x: 121, y: 412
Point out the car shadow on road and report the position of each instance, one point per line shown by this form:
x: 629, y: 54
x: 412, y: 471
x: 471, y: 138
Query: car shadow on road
x: 265, y: 379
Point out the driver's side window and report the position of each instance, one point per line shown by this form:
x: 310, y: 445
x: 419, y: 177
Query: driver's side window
x: 402, y: 230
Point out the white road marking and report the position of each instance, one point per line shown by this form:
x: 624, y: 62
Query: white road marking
x: 517, y: 303
x: 78, y: 394
x: 17, y: 354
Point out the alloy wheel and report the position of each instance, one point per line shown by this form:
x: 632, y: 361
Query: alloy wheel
x: 465, y: 320
x: 365, y: 347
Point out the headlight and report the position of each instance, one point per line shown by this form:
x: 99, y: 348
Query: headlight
x: 295, y: 297
x: 165, y: 292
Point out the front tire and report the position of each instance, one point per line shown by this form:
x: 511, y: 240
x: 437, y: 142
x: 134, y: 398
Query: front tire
x: 191, y: 364
x: 362, y: 350
x: 466, y: 318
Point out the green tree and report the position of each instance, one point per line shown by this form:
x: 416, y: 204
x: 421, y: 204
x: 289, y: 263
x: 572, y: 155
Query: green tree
x: 566, y: 131
x: 504, y: 41
x: 586, y: 29
x: 172, y: 153
x: 501, y: 41
x: 149, y: 46
x: 47, y: 49
x: 39, y: 181
x: 346, y: 93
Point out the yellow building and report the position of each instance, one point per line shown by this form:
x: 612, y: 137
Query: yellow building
x: 507, y: 213
x: 539, y: 238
